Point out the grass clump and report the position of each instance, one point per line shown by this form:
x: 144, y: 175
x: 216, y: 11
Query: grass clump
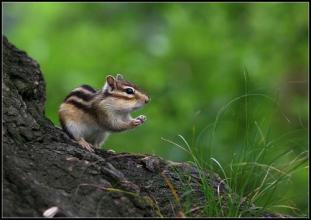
x: 259, y: 168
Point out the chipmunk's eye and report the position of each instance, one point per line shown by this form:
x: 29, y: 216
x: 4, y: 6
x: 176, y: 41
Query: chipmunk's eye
x: 129, y: 91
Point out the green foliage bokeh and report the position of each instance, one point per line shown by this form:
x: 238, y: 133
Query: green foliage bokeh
x: 191, y: 58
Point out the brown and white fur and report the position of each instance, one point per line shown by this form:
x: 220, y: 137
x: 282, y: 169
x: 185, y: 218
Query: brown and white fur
x: 89, y: 116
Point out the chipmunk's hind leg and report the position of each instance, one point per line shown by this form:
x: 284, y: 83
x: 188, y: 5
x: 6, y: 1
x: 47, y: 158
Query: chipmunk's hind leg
x: 75, y: 132
x: 86, y: 145
x: 101, y: 138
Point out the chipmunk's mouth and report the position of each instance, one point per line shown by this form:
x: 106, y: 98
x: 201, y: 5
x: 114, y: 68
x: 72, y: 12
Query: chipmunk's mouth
x: 136, y: 108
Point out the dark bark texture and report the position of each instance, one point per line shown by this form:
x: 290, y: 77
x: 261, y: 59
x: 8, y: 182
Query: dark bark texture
x: 43, y: 168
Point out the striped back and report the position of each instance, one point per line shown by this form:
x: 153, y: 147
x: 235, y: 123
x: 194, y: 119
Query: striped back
x: 81, y: 97
x: 84, y: 92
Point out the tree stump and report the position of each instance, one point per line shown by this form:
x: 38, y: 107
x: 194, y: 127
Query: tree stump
x: 43, y: 168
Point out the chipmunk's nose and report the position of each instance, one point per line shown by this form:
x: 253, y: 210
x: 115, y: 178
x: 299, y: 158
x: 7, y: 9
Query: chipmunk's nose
x: 147, y: 99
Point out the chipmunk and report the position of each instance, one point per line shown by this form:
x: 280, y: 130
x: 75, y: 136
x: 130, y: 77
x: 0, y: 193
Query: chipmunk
x: 89, y: 116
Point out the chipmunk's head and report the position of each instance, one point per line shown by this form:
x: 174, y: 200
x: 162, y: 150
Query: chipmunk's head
x: 122, y: 95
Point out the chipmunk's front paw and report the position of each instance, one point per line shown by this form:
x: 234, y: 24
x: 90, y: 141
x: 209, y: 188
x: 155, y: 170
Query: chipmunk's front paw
x: 142, y: 118
x: 139, y: 120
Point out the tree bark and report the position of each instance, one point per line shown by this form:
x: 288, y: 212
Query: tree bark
x: 44, y: 168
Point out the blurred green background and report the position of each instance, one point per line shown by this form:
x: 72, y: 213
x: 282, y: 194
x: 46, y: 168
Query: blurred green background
x: 192, y: 59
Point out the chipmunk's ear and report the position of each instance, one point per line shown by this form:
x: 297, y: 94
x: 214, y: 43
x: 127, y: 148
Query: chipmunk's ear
x: 119, y: 77
x: 110, y: 80
x: 110, y: 83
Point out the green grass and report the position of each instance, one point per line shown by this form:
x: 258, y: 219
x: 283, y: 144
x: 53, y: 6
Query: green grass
x: 257, y: 170
x: 250, y: 178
